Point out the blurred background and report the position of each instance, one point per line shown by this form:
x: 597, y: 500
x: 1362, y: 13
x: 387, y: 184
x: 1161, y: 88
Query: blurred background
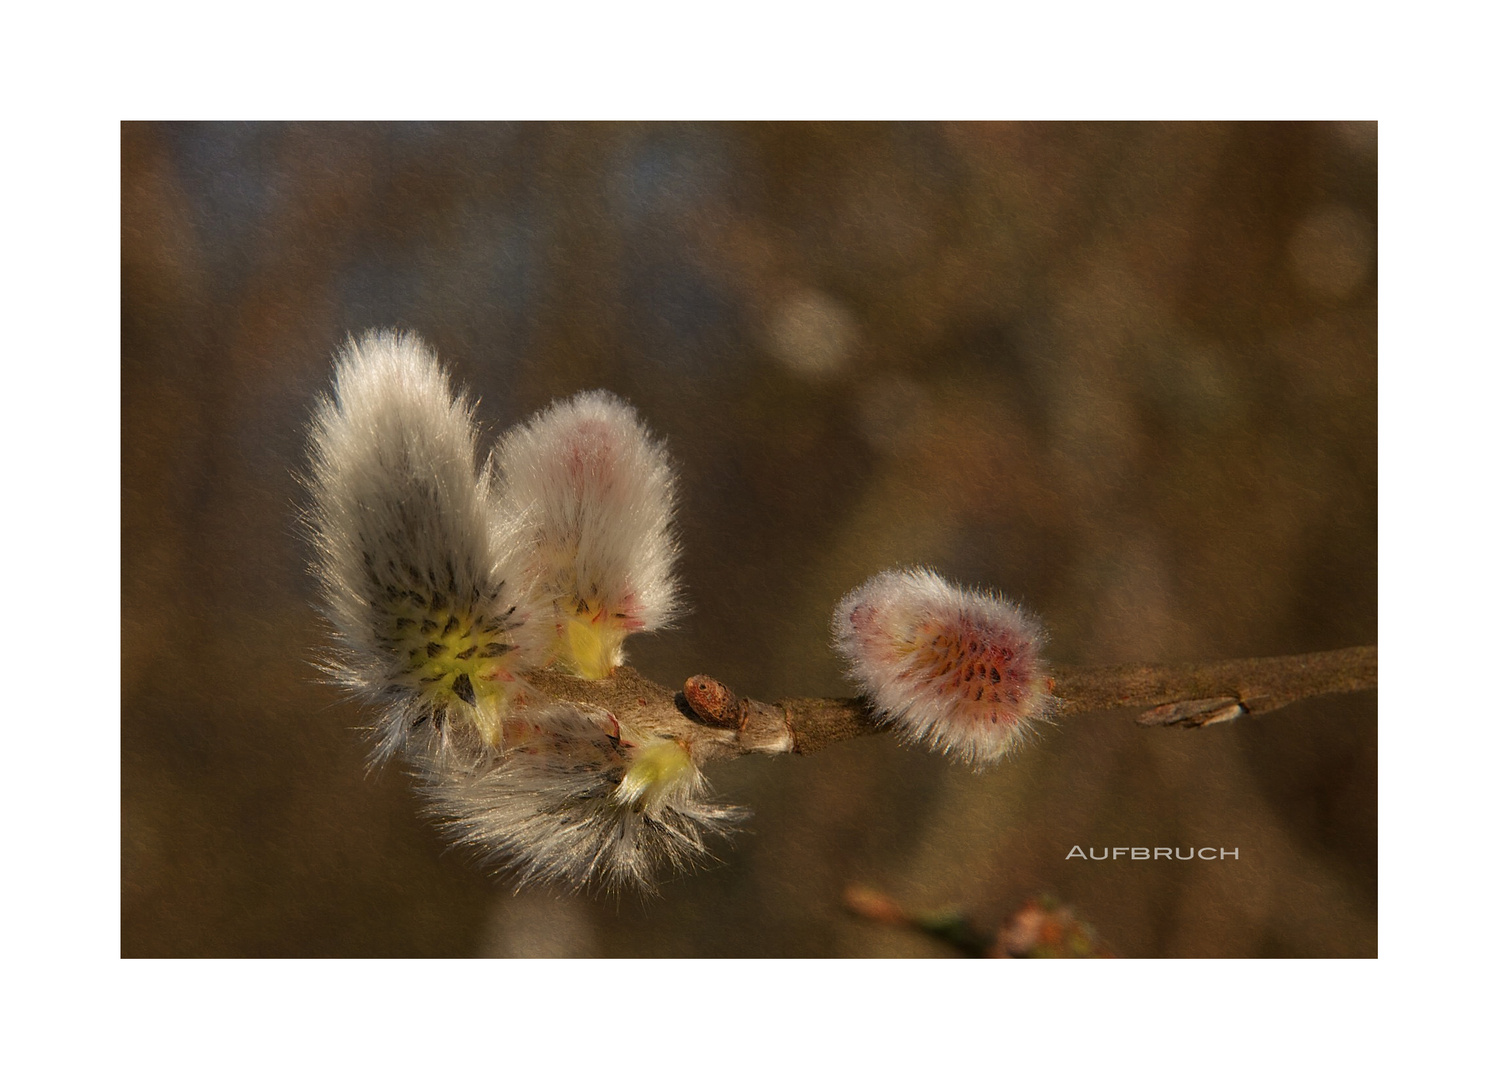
x: 1125, y: 373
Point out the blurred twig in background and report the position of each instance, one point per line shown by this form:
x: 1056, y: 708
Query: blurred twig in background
x: 1041, y: 929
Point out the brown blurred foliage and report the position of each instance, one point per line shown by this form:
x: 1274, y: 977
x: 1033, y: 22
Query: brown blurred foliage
x: 1124, y: 372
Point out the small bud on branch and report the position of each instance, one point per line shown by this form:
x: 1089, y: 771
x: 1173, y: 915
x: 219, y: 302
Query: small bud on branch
x: 1195, y: 695
x: 807, y: 725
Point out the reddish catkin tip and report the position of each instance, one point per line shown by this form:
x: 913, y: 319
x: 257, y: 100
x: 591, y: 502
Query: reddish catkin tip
x: 958, y: 670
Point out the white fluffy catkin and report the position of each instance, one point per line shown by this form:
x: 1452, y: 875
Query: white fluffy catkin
x: 443, y: 593
x: 577, y: 802
x: 417, y: 568
x: 956, y: 669
x: 601, y: 493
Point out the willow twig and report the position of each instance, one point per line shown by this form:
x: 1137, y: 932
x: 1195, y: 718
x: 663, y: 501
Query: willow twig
x: 1195, y: 695
x: 717, y: 723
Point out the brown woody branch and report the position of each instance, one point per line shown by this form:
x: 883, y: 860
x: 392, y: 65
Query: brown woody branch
x: 1195, y: 695
x: 716, y: 723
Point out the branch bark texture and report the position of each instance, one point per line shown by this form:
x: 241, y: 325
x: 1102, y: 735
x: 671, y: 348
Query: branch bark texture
x: 1194, y: 695
x: 715, y: 723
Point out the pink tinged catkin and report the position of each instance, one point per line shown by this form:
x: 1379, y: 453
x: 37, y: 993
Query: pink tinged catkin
x: 601, y: 495
x: 415, y: 563
x: 958, y: 670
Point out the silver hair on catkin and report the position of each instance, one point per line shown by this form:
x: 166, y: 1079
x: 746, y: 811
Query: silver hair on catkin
x: 449, y: 581
x: 577, y: 801
x: 958, y: 670
x: 601, y: 545
x: 416, y: 564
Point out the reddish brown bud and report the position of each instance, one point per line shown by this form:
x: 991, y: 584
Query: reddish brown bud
x: 714, y: 702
